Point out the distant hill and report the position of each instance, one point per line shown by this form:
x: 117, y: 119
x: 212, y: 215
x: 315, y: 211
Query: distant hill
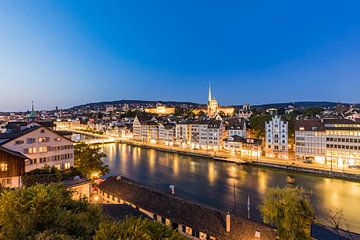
x: 304, y: 104
x: 140, y: 102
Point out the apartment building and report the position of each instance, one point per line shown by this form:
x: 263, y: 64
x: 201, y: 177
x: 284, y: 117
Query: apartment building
x: 310, y: 140
x: 42, y: 146
x: 183, y: 133
x: 237, y: 127
x: 342, y: 142
x: 334, y: 142
x: 276, y: 134
x: 212, y: 136
x: 169, y: 134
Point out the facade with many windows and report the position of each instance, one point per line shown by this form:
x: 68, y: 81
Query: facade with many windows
x: 334, y: 142
x: 310, y: 140
x: 276, y: 133
x: 42, y: 146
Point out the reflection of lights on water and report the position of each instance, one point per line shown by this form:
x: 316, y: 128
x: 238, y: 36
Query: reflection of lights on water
x: 192, y: 166
x: 212, y: 174
x: 152, y: 155
x: 262, y: 181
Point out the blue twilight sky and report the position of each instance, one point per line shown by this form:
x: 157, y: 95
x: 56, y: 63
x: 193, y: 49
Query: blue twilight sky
x: 64, y: 53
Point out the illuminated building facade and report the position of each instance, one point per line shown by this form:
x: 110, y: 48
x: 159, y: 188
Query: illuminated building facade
x: 276, y: 132
x: 41, y: 146
x: 213, y: 107
x: 310, y: 140
x: 334, y: 142
x: 160, y: 110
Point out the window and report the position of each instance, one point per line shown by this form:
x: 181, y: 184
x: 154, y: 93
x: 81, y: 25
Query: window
x: 43, y: 149
x: 43, y: 139
x: 195, y: 233
x: 3, y: 167
x: 19, y: 142
x: 67, y: 165
x: 58, y: 139
x: 30, y: 140
x: 32, y: 150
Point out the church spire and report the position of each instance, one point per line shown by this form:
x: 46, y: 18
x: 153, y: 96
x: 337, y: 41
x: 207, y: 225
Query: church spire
x: 209, y: 96
x: 32, y: 115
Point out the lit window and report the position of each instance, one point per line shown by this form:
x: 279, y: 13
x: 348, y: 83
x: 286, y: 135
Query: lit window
x: 3, y: 167
x: 67, y: 165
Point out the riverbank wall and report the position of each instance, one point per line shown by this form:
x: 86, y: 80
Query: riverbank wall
x: 286, y: 167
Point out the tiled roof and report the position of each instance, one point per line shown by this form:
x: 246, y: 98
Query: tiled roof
x: 10, y: 136
x: 236, y: 124
x: 199, y: 217
x: 14, y: 153
x: 309, y: 125
x: 121, y: 211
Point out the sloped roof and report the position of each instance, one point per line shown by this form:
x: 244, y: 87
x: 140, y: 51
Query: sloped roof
x: 202, y: 218
x: 14, y: 153
x: 10, y: 136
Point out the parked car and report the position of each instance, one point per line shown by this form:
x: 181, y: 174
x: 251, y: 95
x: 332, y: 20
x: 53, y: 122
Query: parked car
x: 308, y: 161
x: 354, y: 166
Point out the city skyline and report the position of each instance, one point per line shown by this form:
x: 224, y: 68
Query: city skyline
x: 71, y: 53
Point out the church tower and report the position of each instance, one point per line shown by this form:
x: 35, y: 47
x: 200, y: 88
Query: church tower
x: 212, y: 105
x: 209, y: 95
x: 32, y: 115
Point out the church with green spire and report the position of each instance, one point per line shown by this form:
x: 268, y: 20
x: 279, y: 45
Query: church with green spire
x: 32, y: 117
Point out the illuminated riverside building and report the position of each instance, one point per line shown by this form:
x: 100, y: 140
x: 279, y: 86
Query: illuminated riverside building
x: 243, y: 146
x: 310, y: 140
x: 329, y: 141
x: 202, y: 134
x: 276, y: 133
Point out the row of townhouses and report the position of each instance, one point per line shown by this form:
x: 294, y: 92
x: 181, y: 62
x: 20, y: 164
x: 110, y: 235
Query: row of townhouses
x: 206, y: 134
x: 196, y: 134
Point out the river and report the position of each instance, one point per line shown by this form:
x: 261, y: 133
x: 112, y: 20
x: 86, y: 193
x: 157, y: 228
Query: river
x: 227, y: 186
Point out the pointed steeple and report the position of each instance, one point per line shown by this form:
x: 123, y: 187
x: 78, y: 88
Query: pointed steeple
x: 209, y: 96
x: 32, y: 115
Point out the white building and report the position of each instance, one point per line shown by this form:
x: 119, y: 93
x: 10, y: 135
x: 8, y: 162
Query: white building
x: 42, y: 146
x: 237, y: 127
x: 212, y: 135
x: 276, y: 134
x: 334, y: 142
x: 310, y: 140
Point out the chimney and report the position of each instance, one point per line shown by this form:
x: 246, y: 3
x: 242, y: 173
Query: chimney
x: 228, y: 219
x: 172, y: 188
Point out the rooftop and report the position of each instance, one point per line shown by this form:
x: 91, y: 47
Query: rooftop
x: 183, y: 211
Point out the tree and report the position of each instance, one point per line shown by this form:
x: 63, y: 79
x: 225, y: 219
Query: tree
x: 312, y: 112
x: 48, y: 175
x: 46, y: 212
x: 290, y: 210
x: 335, y: 217
x: 88, y: 159
x: 135, y: 229
x: 257, y: 123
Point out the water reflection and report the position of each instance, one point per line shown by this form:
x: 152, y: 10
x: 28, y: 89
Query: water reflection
x: 216, y: 183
